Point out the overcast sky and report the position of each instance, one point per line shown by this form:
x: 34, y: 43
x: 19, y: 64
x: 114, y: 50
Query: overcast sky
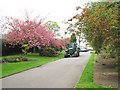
x: 54, y: 10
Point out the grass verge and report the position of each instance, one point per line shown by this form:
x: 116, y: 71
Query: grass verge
x: 12, y: 68
x: 86, y: 80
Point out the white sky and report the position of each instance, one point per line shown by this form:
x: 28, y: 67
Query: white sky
x: 55, y: 10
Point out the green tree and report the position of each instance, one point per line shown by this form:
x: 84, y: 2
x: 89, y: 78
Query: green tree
x: 51, y: 25
x: 101, y: 25
x: 101, y: 21
x: 25, y: 48
x: 73, y: 38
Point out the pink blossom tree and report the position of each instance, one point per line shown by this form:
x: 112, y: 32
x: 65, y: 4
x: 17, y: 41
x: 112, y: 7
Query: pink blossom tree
x: 30, y: 32
x: 63, y: 42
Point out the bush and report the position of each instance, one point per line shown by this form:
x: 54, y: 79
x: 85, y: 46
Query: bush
x: 8, y: 50
x: 14, y: 59
x: 24, y: 59
x: 25, y: 49
x: 4, y: 60
x: 49, y: 52
x: 112, y: 55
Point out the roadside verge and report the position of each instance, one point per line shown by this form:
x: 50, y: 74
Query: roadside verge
x: 86, y: 79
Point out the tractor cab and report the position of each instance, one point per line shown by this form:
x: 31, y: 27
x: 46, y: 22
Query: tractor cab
x: 72, y: 50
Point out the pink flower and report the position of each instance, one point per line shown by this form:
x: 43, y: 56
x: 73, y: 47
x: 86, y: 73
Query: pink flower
x: 31, y: 32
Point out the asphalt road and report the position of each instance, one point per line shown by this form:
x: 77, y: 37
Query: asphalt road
x: 63, y: 73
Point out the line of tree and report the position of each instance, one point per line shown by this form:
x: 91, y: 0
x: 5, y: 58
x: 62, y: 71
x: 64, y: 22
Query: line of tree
x: 99, y: 22
x: 31, y: 33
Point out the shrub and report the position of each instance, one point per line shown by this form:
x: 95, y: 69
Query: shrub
x: 24, y: 59
x: 10, y: 50
x: 112, y: 54
x: 4, y: 60
x: 11, y: 60
x: 50, y: 52
x: 14, y: 59
x: 25, y: 49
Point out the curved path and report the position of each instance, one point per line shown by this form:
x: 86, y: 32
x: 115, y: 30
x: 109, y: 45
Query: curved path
x: 63, y: 73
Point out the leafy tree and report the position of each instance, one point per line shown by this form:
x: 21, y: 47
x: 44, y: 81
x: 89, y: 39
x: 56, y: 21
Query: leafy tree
x: 63, y: 42
x: 73, y: 38
x: 99, y: 22
x: 51, y: 25
x: 30, y: 32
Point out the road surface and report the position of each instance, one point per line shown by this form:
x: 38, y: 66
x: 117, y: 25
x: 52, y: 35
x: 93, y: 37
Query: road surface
x: 63, y: 73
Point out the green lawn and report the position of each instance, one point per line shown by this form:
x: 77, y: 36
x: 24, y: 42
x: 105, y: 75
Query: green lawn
x: 86, y: 80
x: 11, y: 68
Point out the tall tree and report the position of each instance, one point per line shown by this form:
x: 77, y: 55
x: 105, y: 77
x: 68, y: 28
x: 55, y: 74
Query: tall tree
x: 30, y: 32
x: 101, y: 24
x: 73, y: 38
x: 53, y: 26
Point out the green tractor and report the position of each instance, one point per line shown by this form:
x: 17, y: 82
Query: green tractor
x: 72, y: 50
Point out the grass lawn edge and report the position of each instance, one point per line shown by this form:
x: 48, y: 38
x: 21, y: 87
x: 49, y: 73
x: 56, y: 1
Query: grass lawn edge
x: 86, y: 79
x: 31, y: 67
x: 28, y: 69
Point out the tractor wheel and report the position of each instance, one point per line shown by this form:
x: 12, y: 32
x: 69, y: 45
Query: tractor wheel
x: 65, y: 55
x: 76, y: 54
